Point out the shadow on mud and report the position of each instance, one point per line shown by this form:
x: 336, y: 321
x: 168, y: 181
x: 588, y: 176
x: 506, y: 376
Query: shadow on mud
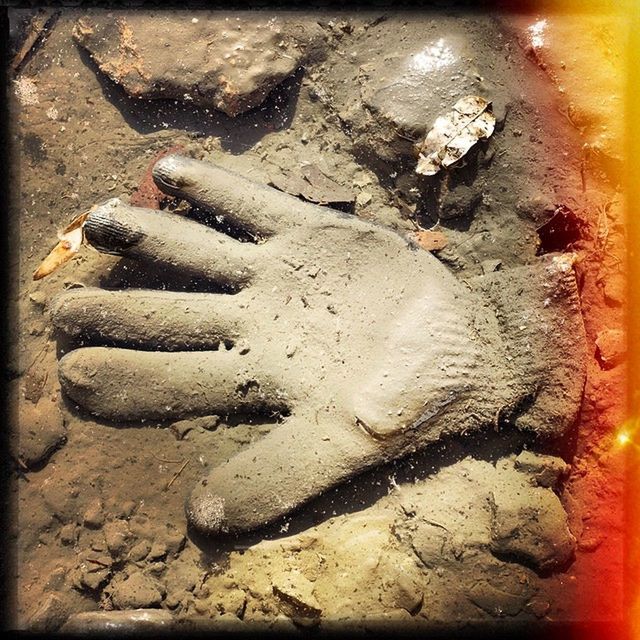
x: 366, y: 489
x: 236, y: 134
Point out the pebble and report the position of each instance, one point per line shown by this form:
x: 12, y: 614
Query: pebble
x: 116, y: 534
x: 136, y: 592
x: 68, y: 534
x: 140, y: 551
x: 94, y: 515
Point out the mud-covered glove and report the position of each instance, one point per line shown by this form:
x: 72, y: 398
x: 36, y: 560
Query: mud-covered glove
x: 366, y: 345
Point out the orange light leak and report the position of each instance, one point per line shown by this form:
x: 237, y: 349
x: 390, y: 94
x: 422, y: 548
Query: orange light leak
x: 590, y: 50
x: 632, y: 185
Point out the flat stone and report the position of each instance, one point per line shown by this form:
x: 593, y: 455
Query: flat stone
x: 136, y: 592
x: 158, y: 550
x: 229, y: 61
x: 115, y: 622
x: 116, y: 534
x: 140, y: 551
x: 94, y: 579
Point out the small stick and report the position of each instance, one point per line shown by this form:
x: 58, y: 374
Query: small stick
x: 180, y: 470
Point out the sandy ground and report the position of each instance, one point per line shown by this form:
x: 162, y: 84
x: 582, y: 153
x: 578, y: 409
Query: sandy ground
x: 100, y: 520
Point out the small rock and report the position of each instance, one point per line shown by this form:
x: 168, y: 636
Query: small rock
x: 116, y: 534
x: 243, y: 347
x: 291, y: 350
x: 38, y: 298
x: 172, y: 600
x: 295, y: 596
x: 69, y: 534
x: 174, y: 541
x: 94, y: 515
x: 50, y: 616
x: 489, y: 266
x: 231, y: 601
x: 118, y: 622
x: 546, y: 471
x: 158, y: 551
x: 136, y: 592
x: 364, y: 198
x: 94, y: 578
x: 611, y: 347
x: 589, y: 543
x: 407, y: 594
x: 140, y: 551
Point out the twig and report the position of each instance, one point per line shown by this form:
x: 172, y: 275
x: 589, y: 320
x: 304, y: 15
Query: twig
x: 180, y: 470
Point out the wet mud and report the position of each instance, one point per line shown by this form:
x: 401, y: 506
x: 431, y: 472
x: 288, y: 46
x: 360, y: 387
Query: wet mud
x: 490, y: 524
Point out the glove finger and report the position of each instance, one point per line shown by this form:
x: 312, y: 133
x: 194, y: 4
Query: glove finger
x: 129, y: 385
x: 170, y: 240
x: 257, y: 208
x: 162, y: 320
x: 278, y: 473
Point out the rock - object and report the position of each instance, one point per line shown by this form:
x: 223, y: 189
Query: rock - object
x: 138, y: 591
x: 135, y: 620
x: 611, y: 347
x: 226, y: 60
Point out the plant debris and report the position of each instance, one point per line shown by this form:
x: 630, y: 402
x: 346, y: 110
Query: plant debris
x: 453, y: 135
x: 71, y: 239
x: 314, y: 186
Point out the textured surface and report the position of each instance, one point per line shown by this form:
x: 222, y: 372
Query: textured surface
x: 82, y: 140
x: 228, y: 62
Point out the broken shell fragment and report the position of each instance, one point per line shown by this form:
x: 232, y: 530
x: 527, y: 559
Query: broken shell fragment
x: 70, y: 239
x: 454, y: 134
